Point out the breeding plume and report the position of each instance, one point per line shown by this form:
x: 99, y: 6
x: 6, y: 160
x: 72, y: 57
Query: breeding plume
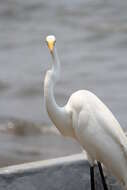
x: 89, y: 121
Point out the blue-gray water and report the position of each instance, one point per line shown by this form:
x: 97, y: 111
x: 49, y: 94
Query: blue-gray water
x: 92, y: 45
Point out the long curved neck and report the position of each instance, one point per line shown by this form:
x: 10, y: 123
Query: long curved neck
x: 55, y: 112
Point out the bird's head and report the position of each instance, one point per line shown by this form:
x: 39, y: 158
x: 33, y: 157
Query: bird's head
x: 50, y: 40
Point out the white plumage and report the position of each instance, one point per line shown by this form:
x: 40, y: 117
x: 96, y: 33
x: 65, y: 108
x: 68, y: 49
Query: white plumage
x: 89, y: 121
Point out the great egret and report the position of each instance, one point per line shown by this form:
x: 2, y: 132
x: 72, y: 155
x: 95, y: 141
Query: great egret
x: 89, y: 121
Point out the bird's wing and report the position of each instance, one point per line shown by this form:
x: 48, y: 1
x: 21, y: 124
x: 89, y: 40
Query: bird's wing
x: 105, y: 119
x: 111, y: 126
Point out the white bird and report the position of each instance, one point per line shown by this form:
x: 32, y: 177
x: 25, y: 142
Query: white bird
x: 89, y: 121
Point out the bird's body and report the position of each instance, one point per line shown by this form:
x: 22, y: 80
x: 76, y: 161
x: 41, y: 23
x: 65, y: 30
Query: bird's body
x: 90, y: 122
x: 99, y: 132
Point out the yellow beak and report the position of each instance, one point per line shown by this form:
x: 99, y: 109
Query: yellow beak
x: 50, y: 42
x: 51, y: 45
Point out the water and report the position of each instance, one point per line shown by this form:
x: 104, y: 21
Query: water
x: 92, y: 45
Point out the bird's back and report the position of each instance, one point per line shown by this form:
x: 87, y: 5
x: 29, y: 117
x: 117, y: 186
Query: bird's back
x: 94, y: 109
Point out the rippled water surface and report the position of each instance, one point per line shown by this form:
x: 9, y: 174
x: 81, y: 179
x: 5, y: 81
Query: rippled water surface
x: 92, y: 46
